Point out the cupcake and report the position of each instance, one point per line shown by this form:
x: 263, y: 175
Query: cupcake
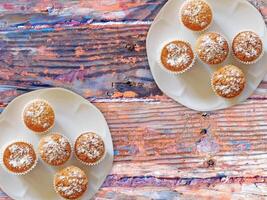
x: 18, y: 158
x: 70, y: 182
x: 39, y: 116
x: 247, y: 47
x: 54, y: 149
x: 196, y: 15
x: 228, y: 82
x: 89, y: 148
x: 177, y: 57
x: 212, y: 48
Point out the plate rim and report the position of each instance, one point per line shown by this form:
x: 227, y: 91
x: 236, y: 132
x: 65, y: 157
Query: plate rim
x: 83, y: 100
x: 157, y: 18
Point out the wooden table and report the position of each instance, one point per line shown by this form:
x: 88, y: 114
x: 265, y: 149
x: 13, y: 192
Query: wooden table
x: 162, y: 149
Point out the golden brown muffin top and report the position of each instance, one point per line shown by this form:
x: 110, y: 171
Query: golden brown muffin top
x: 212, y: 48
x: 196, y: 15
x: 71, y: 182
x: 54, y: 149
x: 19, y: 157
x: 89, y: 147
x: 38, y: 116
x: 247, y: 46
x: 229, y: 81
x: 177, y: 56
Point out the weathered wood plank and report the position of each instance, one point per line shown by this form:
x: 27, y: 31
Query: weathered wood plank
x: 97, y: 61
x: 201, y: 191
x: 163, y: 138
x: 32, y: 13
x: 94, y: 60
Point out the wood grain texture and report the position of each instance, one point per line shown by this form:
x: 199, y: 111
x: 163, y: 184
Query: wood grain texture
x: 42, y: 12
x: 162, y: 149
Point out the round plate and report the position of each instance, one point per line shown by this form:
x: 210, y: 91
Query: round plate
x: 74, y: 115
x: 193, y: 88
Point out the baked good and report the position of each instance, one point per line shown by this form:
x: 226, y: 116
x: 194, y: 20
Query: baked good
x: 228, y: 82
x: 196, y: 15
x: 247, y: 47
x: 70, y: 182
x: 39, y: 116
x: 54, y: 149
x: 89, y: 148
x: 18, y: 158
x: 177, y: 57
x: 212, y: 48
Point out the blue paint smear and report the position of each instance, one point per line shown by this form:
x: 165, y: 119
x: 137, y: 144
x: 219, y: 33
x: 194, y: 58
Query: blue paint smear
x: 129, y: 148
x: 26, y: 33
x: 116, y: 153
x: 241, y: 145
x: 221, y: 175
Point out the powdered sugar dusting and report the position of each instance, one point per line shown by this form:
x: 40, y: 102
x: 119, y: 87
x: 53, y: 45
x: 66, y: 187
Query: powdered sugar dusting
x: 248, y: 44
x: 90, y: 145
x: 39, y: 114
x: 213, y: 48
x: 20, y: 156
x: 195, y: 12
x: 229, y: 81
x: 71, y: 182
x: 178, y: 55
x: 55, y: 150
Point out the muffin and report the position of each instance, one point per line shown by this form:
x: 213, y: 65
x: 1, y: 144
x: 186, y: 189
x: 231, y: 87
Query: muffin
x: 212, y: 48
x: 228, y: 82
x: 177, y: 57
x: 54, y: 149
x: 18, y: 158
x: 89, y: 148
x: 70, y: 182
x: 39, y: 116
x: 196, y: 15
x: 247, y: 47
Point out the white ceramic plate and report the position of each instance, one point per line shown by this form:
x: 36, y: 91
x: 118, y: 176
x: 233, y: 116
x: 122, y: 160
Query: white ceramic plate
x: 192, y: 88
x: 74, y: 115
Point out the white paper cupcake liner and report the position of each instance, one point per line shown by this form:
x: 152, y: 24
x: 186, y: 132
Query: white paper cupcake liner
x: 203, y: 30
x: 71, y: 147
x: 249, y: 62
x: 85, y: 163
x: 54, y: 186
x: 228, y: 54
x: 173, y: 72
x: 37, y: 133
x: 92, y: 164
x: 214, y: 90
x: 14, y: 173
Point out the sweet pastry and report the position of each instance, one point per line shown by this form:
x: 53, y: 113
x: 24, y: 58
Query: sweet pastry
x: 212, y: 48
x: 228, y: 82
x: 54, y: 149
x: 18, y: 158
x: 70, y: 182
x: 247, y: 47
x: 177, y: 57
x: 89, y: 148
x: 39, y: 116
x: 196, y: 15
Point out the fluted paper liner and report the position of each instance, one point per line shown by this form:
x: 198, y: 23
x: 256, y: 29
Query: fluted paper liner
x: 14, y: 173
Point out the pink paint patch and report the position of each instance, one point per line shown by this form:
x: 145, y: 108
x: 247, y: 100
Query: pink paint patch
x: 8, y: 6
x: 264, y: 11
